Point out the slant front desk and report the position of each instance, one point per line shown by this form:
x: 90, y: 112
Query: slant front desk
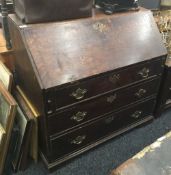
x: 90, y: 79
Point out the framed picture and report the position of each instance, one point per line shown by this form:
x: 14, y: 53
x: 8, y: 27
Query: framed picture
x: 23, y: 123
x: 2, y: 136
x: 28, y: 132
x: 6, y: 76
x: 7, y: 115
x: 33, y: 115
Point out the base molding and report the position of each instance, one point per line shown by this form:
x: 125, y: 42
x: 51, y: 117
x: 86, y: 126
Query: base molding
x: 51, y: 166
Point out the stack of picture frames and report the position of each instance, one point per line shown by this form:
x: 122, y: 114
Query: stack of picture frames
x: 18, y: 126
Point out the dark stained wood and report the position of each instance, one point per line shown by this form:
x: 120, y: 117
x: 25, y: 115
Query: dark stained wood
x: 78, y: 49
x: 24, y: 74
x: 100, y: 106
x: 103, y: 84
x: 99, y: 65
x: 103, y: 127
x: 54, y: 10
x: 166, y: 91
x: 164, y: 98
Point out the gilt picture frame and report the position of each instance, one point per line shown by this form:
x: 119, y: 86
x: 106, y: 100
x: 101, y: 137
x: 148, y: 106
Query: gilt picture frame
x: 31, y: 114
x: 6, y: 76
x: 7, y: 114
x: 2, y: 137
x: 21, y: 122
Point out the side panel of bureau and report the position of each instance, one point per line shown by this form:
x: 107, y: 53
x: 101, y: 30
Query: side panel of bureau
x: 26, y: 78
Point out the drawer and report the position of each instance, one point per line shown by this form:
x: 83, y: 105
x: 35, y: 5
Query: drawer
x: 106, y: 126
x: 88, y: 88
x: 91, y: 109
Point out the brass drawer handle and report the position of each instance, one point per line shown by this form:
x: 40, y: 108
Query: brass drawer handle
x: 111, y: 98
x: 136, y: 114
x: 140, y: 93
x: 79, y: 93
x: 114, y: 78
x: 78, y: 140
x: 144, y: 72
x: 79, y: 116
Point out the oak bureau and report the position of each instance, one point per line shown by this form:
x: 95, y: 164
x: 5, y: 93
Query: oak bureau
x: 90, y: 79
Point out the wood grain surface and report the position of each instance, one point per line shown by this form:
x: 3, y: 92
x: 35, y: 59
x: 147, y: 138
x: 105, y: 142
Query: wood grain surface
x: 79, y: 63
x: 69, y: 51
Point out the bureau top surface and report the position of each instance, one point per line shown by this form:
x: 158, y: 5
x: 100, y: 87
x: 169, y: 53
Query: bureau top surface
x: 64, y: 52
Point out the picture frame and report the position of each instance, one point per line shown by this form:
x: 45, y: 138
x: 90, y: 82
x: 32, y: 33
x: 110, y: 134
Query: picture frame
x: 6, y: 76
x: 7, y: 114
x: 2, y: 136
x: 23, y: 124
x: 31, y: 131
x: 28, y: 106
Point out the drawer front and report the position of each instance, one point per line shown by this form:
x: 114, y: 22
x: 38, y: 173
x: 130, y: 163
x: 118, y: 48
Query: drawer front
x: 91, y: 109
x: 88, y: 134
x: 88, y: 88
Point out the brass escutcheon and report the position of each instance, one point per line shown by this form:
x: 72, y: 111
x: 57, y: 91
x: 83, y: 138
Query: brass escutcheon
x: 112, y: 98
x: 114, y: 78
